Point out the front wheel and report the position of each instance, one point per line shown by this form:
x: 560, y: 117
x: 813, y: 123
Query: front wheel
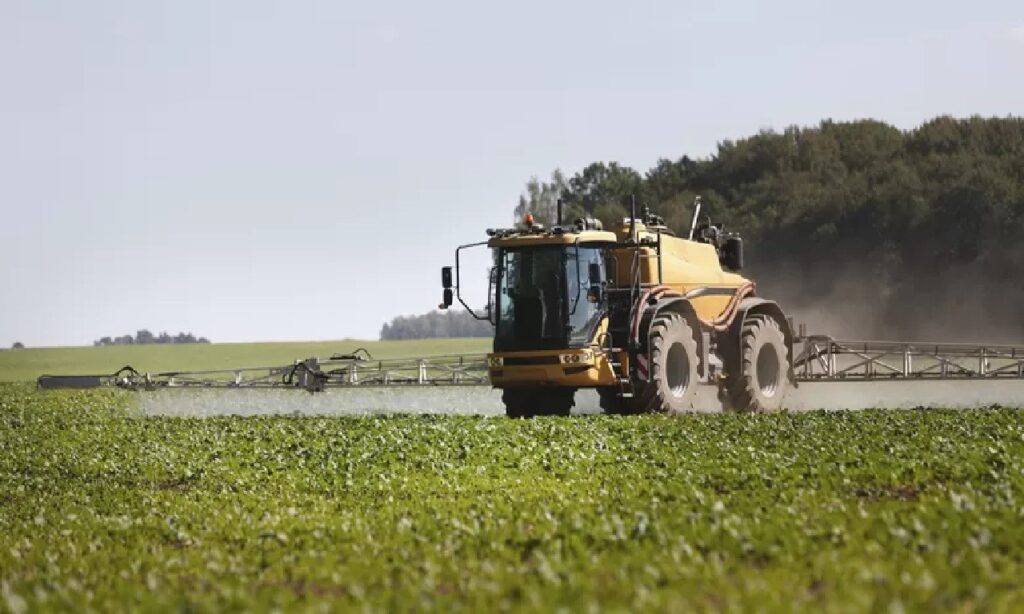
x: 611, y: 401
x: 672, y: 388
x: 759, y: 379
x: 530, y: 402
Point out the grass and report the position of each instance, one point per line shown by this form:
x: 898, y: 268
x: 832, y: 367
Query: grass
x: 102, y: 509
x: 28, y: 364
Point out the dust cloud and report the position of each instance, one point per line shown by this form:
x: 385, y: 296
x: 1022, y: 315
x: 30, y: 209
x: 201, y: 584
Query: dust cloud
x: 979, y: 302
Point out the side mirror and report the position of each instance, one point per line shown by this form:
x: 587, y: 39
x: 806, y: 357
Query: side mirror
x: 446, y: 300
x: 732, y: 254
x: 492, y: 288
x: 446, y: 278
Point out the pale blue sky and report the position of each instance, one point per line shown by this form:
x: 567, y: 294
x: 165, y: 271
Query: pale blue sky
x: 300, y: 170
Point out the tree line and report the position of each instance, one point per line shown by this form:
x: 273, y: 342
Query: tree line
x: 858, y: 227
x: 145, y: 337
x: 451, y: 323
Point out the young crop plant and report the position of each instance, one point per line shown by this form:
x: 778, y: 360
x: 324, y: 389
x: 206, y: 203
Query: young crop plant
x: 103, y: 508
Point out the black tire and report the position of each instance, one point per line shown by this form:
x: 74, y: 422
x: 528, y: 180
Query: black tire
x: 611, y: 401
x: 530, y: 402
x: 518, y: 402
x: 758, y: 380
x: 674, y: 363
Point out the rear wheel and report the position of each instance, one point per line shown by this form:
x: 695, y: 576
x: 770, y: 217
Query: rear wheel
x: 530, y: 402
x: 759, y: 379
x: 673, y: 362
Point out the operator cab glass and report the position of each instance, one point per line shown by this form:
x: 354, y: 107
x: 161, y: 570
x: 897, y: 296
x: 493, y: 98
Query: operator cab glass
x: 584, y: 309
x: 542, y: 297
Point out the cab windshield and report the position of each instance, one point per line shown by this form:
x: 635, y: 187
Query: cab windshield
x: 542, y: 297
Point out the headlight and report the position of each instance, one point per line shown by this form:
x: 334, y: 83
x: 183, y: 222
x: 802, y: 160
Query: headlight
x: 495, y: 361
x: 571, y: 359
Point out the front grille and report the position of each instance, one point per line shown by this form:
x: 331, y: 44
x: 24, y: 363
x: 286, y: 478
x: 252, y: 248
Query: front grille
x: 522, y: 361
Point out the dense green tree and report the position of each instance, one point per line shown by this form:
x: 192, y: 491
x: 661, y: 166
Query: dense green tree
x: 605, y: 191
x: 541, y: 198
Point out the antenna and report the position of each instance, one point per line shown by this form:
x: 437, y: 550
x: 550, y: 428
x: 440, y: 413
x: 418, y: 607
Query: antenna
x: 632, y: 217
x: 696, y: 214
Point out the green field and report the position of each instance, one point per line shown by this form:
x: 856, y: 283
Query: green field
x: 28, y: 364
x: 107, y: 510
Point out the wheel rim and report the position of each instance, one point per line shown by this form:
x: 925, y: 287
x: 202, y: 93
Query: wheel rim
x: 768, y: 371
x: 677, y: 370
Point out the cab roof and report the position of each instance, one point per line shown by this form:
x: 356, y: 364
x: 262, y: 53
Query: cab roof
x: 556, y: 236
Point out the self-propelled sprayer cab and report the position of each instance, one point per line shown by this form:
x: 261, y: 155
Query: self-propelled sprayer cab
x: 581, y: 307
x: 548, y: 286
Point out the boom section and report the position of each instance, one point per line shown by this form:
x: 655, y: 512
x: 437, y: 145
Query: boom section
x: 819, y: 358
x: 311, y: 374
x: 824, y: 358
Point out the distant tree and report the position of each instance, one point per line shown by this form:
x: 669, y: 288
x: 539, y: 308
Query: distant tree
x: 602, y: 182
x: 145, y: 337
x: 18, y: 345
x: 667, y: 179
x: 541, y: 199
x: 436, y: 324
